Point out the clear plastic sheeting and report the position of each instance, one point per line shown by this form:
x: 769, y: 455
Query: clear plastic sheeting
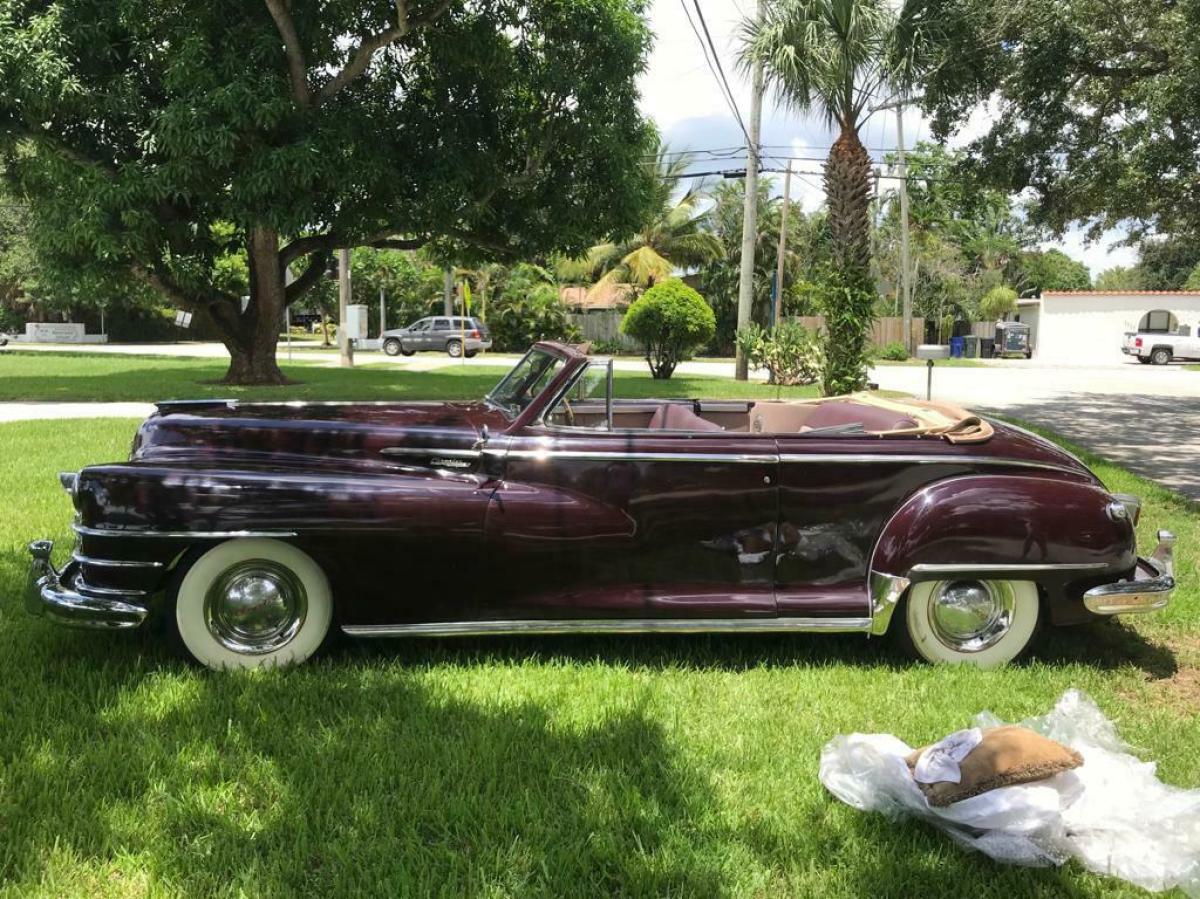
x: 1113, y: 814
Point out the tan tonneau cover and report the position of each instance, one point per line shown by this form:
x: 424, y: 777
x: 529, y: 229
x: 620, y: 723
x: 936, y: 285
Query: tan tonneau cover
x: 954, y: 423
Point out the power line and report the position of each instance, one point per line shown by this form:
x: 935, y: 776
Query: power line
x: 714, y: 66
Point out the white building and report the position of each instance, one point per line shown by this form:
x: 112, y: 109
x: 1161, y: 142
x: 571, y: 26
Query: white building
x: 1088, y: 326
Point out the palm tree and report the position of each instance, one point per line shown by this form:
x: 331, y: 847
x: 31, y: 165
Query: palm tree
x: 672, y: 238
x: 837, y: 57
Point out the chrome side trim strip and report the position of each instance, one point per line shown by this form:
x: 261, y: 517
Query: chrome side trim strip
x: 113, y: 563
x: 930, y: 568
x: 603, y: 456
x: 919, y: 459
x: 428, y: 451
x: 87, y: 588
x: 886, y: 590
x: 205, y: 535
x: 609, y: 626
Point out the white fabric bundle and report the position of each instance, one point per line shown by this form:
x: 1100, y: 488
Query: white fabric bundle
x: 1113, y: 814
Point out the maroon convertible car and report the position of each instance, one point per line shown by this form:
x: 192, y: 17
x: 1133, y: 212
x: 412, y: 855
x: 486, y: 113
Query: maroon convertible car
x: 251, y: 530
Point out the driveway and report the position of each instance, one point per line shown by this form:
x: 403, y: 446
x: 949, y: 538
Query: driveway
x: 1146, y: 418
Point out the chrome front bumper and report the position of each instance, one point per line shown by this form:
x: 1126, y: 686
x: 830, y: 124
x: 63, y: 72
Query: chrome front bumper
x: 1147, y: 591
x: 50, y: 594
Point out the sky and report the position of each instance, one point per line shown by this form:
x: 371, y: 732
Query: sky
x: 682, y: 96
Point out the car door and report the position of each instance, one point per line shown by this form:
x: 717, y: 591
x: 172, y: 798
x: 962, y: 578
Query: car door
x: 437, y: 335
x: 835, y: 496
x: 637, y: 524
x: 415, y: 335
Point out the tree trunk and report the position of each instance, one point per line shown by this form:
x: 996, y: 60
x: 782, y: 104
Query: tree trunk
x: 848, y: 195
x: 251, y: 336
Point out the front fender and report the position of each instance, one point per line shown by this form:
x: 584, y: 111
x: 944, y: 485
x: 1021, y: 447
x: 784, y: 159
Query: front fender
x: 1055, y: 532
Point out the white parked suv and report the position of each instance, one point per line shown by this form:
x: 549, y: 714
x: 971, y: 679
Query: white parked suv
x: 1161, y: 347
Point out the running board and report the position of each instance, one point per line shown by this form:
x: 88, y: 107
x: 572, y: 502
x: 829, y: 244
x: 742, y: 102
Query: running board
x: 611, y: 626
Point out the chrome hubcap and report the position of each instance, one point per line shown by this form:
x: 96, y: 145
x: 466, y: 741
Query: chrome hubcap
x: 255, y: 607
x: 970, y: 616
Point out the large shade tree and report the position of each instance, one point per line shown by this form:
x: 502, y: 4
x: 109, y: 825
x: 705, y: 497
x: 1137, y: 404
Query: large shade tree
x: 156, y: 137
x: 1091, y: 103
x: 839, y: 58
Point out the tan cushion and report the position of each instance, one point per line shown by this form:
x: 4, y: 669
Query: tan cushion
x: 1006, y: 756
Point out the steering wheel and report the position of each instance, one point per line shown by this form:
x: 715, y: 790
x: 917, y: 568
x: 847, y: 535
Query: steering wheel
x: 569, y: 411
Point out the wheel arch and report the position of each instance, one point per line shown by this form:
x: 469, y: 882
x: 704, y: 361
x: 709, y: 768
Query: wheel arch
x: 1059, y: 534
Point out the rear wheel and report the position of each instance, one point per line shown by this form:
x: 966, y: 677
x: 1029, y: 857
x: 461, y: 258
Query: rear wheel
x: 972, y: 622
x: 1160, y: 356
x: 454, y: 349
x: 392, y: 346
x: 253, y: 603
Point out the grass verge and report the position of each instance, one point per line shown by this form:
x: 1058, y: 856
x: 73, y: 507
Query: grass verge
x: 96, y: 377
x: 635, y: 766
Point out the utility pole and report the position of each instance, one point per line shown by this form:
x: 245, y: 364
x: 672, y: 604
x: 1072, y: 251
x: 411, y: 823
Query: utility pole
x: 382, y: 316
x: 750, y: 209
x: 344, y: 343
x: 783, y: 217
x: 905, y: 265
x: 448, y: 292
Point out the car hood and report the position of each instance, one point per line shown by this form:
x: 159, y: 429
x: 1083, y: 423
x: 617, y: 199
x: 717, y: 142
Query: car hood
x: 285, y: 434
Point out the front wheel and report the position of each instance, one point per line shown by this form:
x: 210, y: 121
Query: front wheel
x: 253, y: 603
x: 392, y: 346
x: 454, y: 349
x: 970, y: 622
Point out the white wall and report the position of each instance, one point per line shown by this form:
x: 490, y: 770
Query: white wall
x: 1089, y: 328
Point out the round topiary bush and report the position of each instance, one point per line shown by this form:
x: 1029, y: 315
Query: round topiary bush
x: 670, y: 320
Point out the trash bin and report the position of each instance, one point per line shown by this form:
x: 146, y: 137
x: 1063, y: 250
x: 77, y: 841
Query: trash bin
x: 956, y: 347
x: 987, y: 347
x: 971, y: 346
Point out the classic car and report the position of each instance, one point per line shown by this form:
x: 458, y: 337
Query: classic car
x: 252, y: 530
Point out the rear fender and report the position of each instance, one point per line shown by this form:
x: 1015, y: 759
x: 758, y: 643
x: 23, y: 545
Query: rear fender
x: 1057, y: 533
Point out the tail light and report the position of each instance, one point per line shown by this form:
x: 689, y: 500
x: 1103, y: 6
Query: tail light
x: 474, y: 333
x: 1137, y: 342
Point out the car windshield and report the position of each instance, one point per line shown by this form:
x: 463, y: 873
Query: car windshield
x: 529, y: 377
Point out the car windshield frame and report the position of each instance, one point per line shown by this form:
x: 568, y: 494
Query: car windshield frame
x: 511, y: 395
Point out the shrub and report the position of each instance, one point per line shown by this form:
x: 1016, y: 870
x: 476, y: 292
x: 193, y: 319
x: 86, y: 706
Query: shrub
x: 790, y: 353
x: 670, y: 320
x: 997, y: 303
x: 893, y: 352
x: 520, y: 319
x: 605, y: 347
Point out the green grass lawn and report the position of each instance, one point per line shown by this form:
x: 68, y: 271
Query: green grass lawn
x: 617, y: 766
x: 96, y: 377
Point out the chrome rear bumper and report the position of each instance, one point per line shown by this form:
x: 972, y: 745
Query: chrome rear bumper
x: 1147, y: 591
x: 50, y: 594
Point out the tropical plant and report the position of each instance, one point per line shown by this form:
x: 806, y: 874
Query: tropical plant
x: 1120, y: 277
x: 671, y: 237
x: 528, y: 309
x: 132, y: 129
x: 837, y: 57
x: 848, y: 308
x: 807, y: 250
x: 998, y: 303
x: 790, y: 353
x: 670, y: 320
x: 892, y: 352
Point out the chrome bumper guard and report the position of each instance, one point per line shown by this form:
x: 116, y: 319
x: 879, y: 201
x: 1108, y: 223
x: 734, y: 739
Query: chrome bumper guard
x: 1147, y: 591
x: 49, y: 594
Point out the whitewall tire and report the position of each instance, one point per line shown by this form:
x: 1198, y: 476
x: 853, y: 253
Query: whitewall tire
x: 985, y: 623
x: 253, y: 603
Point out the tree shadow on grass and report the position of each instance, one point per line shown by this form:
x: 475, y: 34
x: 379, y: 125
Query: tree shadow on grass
x: 376, y: 782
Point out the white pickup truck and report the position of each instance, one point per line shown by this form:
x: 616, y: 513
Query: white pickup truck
x: 1161, y: 347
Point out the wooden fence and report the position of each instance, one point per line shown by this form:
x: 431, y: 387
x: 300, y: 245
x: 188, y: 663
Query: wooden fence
x: 883, y: 330
x: 603, y: 324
